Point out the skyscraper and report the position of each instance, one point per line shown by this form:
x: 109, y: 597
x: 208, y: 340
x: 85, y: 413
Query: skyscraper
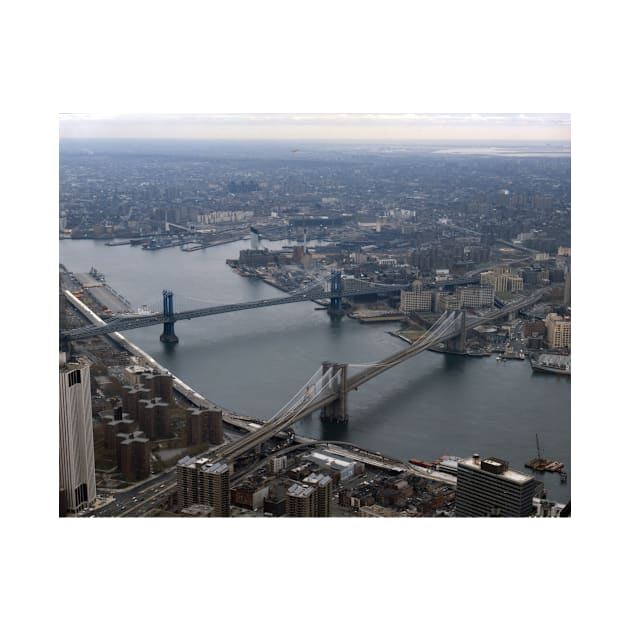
x: 76, y: 442
x: 490, y: 488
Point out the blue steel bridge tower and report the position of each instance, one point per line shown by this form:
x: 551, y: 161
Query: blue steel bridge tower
x: 335, y: 309
x: 168, y: 335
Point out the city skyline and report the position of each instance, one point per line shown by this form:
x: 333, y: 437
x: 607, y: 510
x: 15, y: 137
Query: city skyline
x: 534, y: 127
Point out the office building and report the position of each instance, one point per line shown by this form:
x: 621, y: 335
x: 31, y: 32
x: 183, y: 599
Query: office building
x: 490, y: 488
x: 76, y: 441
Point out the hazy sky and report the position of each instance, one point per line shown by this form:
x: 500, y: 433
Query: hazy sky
x: 319, y: 126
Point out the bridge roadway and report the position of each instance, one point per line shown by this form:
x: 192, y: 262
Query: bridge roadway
x: 423, y: 343
x: 445, y: 328
x: 129, y: 323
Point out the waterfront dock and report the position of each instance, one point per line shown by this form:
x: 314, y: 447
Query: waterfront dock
x: 112, y: 302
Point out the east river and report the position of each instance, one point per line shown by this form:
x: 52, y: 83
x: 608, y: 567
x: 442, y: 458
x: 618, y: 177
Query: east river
x: 253, y: 362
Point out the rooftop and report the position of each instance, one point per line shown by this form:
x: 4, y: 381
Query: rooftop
x: 298, y: 490
x: 510, y: 474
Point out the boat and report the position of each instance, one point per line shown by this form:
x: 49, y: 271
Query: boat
x: 551, y: 364
x: 420, y: 462
x: 540, y: 464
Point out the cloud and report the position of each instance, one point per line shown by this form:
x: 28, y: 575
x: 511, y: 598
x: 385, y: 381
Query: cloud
x: 312, y: 125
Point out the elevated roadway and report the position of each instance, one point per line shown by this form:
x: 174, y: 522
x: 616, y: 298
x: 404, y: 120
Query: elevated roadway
x: 128, y: 323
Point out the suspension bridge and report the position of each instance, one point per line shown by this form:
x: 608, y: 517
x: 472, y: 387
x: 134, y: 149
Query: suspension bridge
x: 334, y: 290
x: 328, y: 387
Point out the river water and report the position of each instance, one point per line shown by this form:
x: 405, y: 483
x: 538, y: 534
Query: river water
x: 254, y: 361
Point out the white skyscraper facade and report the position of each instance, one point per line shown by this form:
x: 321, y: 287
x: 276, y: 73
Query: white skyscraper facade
x: 76, y: 441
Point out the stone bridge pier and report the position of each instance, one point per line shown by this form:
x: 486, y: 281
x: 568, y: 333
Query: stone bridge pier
x: 458, y: 344
x: 334, y: 380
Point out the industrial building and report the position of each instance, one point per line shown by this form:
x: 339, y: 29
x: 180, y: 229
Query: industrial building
x: 502, y: 279
x: 250, y: 495
x: 344, y: 467
x: 417, y: 299
x: 558, y: 331
x: 476, y: 297
x: 489, y: 487
x: 77, y: 478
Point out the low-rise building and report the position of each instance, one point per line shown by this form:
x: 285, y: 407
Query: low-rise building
x: 558, y: 331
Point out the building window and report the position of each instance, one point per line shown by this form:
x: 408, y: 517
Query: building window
x: 74, y: 378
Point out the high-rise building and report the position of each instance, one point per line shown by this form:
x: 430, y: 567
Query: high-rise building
x: 490, y: 488
x: 154, y: 418
x: 131, y: 396
x: 160, y: 384
x: 76, y: 441
x: 134, y: 452
x: 301, y: 500
x: 215, y: 487
x: 323, y: 493
x: 199, y: 481
x: 204, y: 425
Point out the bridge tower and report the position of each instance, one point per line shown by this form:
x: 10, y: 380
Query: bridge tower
x: 168, y: 335
x: 457, y: 344
x: 335, y: 375
x: 335, y: 310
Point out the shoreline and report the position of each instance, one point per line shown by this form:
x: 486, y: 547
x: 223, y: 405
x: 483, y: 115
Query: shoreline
x: 192, y: 396
x: 230, y: 417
